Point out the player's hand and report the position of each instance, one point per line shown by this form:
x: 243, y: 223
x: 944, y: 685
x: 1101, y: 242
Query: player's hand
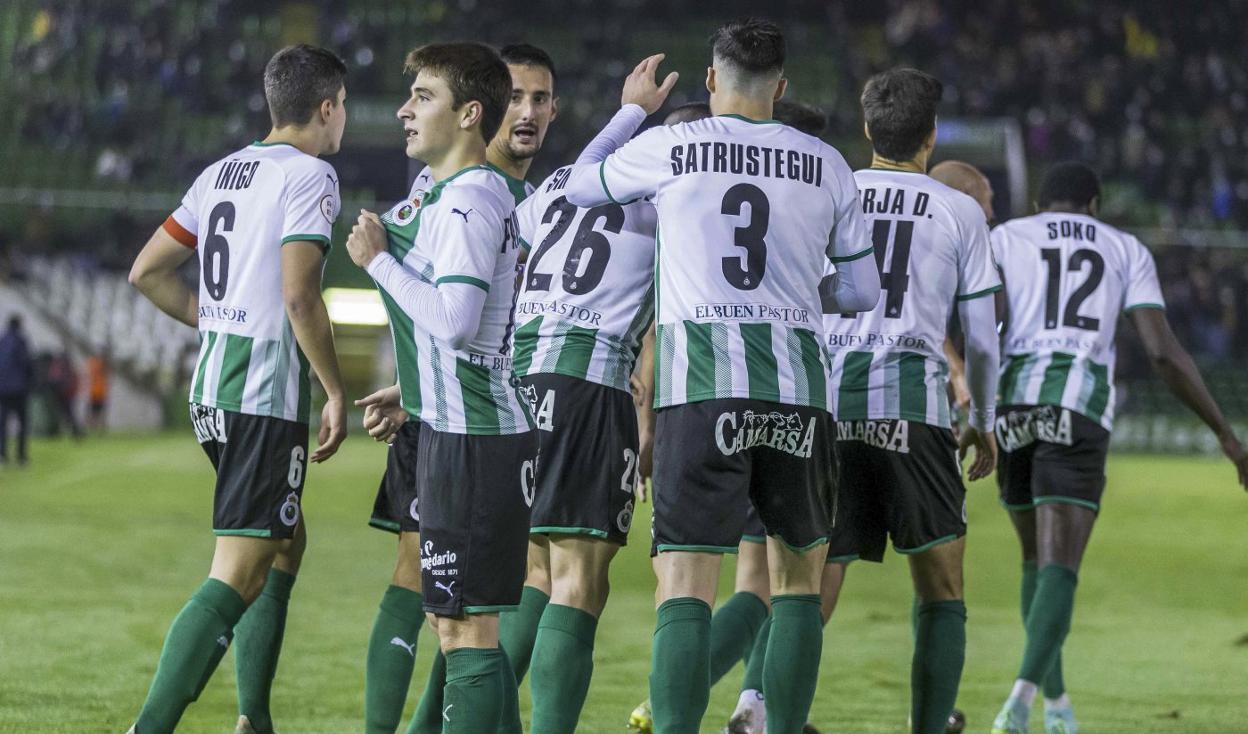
x: 985, y: 452
x: 333, y: 429
x: 367, y: 239
x: 961, y: 393
x: 1235, y: 452
x: 641, y: 89
x: 383, y: 414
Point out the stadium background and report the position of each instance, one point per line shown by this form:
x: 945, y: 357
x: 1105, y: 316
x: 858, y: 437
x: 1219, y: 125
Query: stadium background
x: 112, y: 107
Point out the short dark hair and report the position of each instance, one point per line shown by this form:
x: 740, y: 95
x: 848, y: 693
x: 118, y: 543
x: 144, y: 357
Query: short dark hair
x: 688, y: 112
x: 1070, y: 182
x: 802, y: 117
x: 751, y: 44
x: 526, y: 54
x: 473, y: 72
x: 297, y: 79
x: 899, y: 106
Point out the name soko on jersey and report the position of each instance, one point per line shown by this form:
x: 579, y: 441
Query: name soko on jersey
x: 782, y: 432
x: 1046, y: 423
x: 890, y: 435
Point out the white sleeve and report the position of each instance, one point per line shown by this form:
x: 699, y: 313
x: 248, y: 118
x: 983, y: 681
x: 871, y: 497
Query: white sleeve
x: 632, y: 172
x: 849, y: 239
x: 978, y: 317
x: 617, y: 132
x: 855, y: 286
x: 312, y: 204
x: 1143, y: 288
x: 977, y: 270
x: 450, y: 312
x: 183, y: 223
x: 469, y: 233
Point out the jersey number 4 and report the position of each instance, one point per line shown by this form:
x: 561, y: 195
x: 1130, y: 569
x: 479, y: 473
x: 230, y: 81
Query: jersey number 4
x: 896, y: 280
x: 1053, y: 292
x: 590, y: 252
x: 216, y: 253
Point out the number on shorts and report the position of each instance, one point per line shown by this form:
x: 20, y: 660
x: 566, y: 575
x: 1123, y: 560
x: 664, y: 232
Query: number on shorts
x: 295, y: 476
x: 632, y: 472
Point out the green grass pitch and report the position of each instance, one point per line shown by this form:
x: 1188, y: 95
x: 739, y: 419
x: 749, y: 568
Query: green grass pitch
x: 101, y: 543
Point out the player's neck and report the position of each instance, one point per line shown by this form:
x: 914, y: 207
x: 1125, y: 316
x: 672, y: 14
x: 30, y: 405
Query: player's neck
x: 751, y: 108
x: 916, y: 165
x: 455, y: 159
x: 1066, y: 208
x: 306, y: 139
x: 508, y: 165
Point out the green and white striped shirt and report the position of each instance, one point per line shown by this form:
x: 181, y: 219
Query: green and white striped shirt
x: 238, y: 215
x: 460, y: 230
x: 1068, y: 278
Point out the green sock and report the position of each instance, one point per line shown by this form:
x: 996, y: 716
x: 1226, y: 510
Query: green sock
x: 753, y: 678
x: 517, y: 629
x: 474, y: 691
x: 509, y: 722
x: 257, y: 644
x: 563, y: 661
x: 791, y: 670
x: 1048, y: 620
x: 428, y: 716
x: 391, y: 655
x: 936, y: 669
x: 1054, y: 686
x: 733, y: 629
x: 197, y: 639
x: 680, y: 667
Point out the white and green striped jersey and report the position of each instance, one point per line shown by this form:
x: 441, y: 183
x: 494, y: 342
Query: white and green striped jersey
x: 587, y: 294
x: 1068, y: 278
x: 462, y: 229
x: 237, y: 215
x: 931, y: 245
x: 749, y: 214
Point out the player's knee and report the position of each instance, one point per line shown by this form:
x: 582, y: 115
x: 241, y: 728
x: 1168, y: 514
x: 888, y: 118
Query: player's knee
x: 407, y: 570
x: 586, y: 591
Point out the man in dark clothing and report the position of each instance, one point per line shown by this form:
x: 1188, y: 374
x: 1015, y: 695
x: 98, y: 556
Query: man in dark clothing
x: 16, y: 377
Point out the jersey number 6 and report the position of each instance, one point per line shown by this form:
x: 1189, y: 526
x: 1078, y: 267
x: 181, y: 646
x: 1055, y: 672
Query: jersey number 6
x: 590, y: 251
x: 216, y: 255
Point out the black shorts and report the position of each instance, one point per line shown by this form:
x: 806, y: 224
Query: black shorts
x: 261, y: 463
x: 1050, y: 454
x: 588, y: 472
x: 898, y: 479
x: 475, y: 493
x: 396, y: 508
x: 709, y: 457
x: 754, y: 531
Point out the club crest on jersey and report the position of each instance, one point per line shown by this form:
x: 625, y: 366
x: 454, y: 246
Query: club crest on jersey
x: 289, y: 514
x: 405, y: 212
x: 781, y: 432
x: 329, y: 208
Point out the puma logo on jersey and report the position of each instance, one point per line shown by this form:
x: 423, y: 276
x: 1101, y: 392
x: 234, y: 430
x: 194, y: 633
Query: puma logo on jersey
x: 445, y: 587
x: 332, y: 180
x: 462, y: 213
x: 398, y: 642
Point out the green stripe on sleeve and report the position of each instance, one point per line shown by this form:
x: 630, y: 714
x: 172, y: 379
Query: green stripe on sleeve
x: 234, y: 364
x: 813, y: 365
x: 1138, y: 306
x: 1056, y: 375
x: 467, y: 279
x: 306, y: 238
x: 760, y: 362
x: 978, y: 294
x: 197, y: 390
x: 602, y: 176
x: 852, y: 401
x: 912, y: 386
x: 524, y: 244
x: 700, y: 383
x: 480, y: 410
x: 850, y: 258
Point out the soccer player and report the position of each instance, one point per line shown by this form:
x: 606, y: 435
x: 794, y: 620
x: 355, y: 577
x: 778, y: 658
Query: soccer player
x: 1068, y: 277
x: 533, y: 106
x: 587, y: 300
x: 448, y: 282
x: 260, y: 221
x: 896, y: 454
x: 749, y: 212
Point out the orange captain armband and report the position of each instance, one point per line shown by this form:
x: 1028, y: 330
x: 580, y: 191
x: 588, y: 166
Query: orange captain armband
x: 184, y: 236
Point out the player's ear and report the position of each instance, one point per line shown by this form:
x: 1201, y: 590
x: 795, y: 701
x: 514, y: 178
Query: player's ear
x: 781, y: 87
x: 866, y: 131
x: 1094, y: 206
x: 327, y: 109
x: 554, y: 108
x: 930, y: 143
x: 471, y: 114
x: 710, y: 79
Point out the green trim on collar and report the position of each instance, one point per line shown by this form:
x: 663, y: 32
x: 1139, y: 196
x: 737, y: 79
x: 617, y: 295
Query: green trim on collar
x: 262, y: 144
x: 750, y: 120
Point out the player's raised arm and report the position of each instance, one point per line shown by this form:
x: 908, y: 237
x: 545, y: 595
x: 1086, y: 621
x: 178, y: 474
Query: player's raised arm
x: 155, y: 274
x: 608, y: 170
x: 1175, y: 366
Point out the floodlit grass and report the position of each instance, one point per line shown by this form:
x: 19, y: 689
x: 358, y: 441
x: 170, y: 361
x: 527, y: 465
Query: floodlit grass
x: 102, y: 542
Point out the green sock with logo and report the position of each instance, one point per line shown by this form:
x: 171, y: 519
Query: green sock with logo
x: 474, y: 691
x: 257, y: 645
x: 1048, y: 621
x: 428, y: 716
x: 936, y: 668
x: 792, y: 666
x: 391, y: 655
x: 563, y: 662
x: 1054, y: 685
x: 197, y: 640
x: 517, y: 629
x: 753, y: 678
x: 733, y: 629
x: 680, y: 668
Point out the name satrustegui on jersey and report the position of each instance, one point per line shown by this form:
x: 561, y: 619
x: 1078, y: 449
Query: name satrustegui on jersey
x: 931, y: 245
x: 749, y: 214
x: 587, y: 292
x: 462, y: 230
x: 1068, y: 278
x: 238, y: 214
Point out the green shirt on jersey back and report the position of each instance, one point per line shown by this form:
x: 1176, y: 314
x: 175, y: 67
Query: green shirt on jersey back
x: 461, y: 229
x: 238, y: 215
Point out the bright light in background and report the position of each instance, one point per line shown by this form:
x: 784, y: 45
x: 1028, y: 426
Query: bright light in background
x: 355, y: 306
